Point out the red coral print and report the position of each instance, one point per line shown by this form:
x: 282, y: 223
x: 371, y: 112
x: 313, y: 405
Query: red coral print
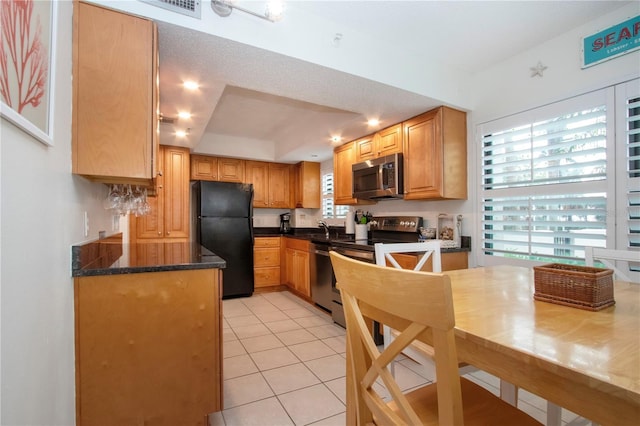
x: 23, y: 58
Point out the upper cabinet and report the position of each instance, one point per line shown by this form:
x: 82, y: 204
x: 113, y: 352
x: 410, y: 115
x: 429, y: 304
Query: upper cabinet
x: 231, y: 170
x: 343, y: 158
x: 271, y: 186
x: 307, y: 185
x: 435, y: 155
x: 115, y: 96
x: 385, y: 142
x: 204, y: 167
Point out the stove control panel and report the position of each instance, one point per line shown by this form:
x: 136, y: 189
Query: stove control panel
x: 396, y: 223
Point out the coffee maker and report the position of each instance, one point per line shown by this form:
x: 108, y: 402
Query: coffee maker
x: 285, y: 223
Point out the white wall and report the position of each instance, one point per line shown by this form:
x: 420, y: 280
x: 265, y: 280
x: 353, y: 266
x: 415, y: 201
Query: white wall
x: 42, y: 206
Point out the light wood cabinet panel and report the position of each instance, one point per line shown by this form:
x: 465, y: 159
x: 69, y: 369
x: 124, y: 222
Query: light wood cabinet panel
x: 115, y: 96
x: 257, y: 173
x: 266, y: 261
x: 384, y: 142
x: 137, y: 347
x: 297, y: 267
x: 449, y: 261
x: 279, y: 185
x: 307, y: 185
x: 231, y: 170
x: 271, y: 187
x: 343, y: 158
x: 435, y: 155
x: 204, y: 167
x: 169, y: 217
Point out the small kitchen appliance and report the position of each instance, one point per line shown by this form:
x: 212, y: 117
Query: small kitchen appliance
x: 285, y: 223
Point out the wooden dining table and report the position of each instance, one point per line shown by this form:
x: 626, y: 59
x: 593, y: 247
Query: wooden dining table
x: 585, y: 361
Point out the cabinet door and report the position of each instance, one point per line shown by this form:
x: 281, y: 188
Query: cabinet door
x: 257, y: 173
x: 279, y: 188
x: 231, y: 170
x: 365, y: 148
x: 176, y: 194
x: 301, y: 276
x: 114, y: 116
x: 389, y: 140
x: 343, y: 158
x: 204, y: 167
x: 423, y: 157
x: 307, y: 184
x: 289, y: 261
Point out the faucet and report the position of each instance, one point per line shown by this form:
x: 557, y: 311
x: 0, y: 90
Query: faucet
x: 323, y: 224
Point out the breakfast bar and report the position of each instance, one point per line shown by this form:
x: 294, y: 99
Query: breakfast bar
x: 148, y: 332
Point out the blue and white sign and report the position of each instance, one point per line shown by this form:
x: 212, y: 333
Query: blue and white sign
x: 614, y: 41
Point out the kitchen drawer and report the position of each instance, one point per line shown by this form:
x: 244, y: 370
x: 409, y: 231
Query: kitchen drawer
x: 267, y: 242
x: 266, y: 257
x: 264, y: 277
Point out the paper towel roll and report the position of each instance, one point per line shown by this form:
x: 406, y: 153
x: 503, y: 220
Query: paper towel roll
x: 350, y: 224
x: 361, y: 231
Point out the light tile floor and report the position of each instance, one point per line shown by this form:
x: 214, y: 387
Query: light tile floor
x: 284, y: 364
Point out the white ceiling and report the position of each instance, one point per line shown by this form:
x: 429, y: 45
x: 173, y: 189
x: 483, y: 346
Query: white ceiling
x: 254, y: 103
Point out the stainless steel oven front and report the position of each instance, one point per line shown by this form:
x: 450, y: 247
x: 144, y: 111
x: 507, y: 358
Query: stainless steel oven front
x: 337, y: 312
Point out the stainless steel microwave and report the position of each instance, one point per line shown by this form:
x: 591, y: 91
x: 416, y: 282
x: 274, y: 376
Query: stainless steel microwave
x: 378, y: 179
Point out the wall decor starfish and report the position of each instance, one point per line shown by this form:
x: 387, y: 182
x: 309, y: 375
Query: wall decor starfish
x: 538, y: 69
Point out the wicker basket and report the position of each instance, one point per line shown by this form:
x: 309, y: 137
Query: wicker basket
x: 581, y: 287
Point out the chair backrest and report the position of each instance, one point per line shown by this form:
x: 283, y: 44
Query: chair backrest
x: 428, y: 248
x: 613, y: 259
x: 414, y: 303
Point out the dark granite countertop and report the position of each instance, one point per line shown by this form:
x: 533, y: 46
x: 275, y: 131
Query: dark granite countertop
x: 109, y: 256
x: 337, y: 235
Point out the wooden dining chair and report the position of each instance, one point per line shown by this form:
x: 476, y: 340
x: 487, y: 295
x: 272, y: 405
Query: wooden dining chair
x: 419, y: 305
x: 618, y: 260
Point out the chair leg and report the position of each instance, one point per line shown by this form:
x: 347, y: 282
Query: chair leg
x: 509, y: 392
x: 554, y: 414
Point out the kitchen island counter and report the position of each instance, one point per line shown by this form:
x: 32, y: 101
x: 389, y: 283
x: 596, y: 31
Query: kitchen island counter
x: 109, y: 256
x: 148, y: 332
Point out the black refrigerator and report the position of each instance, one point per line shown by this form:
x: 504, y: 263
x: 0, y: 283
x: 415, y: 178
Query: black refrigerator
x: 224, y: 225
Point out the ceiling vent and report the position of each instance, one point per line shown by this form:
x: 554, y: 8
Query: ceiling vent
x: 185, y: 7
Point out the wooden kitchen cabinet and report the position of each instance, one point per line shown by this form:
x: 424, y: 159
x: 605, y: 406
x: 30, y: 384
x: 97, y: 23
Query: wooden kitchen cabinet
x: 435, y: 155
x: 266, y: 261
x: 297, y: 268
x: 204, y: 167
x: 115, y: 96
x: 449, y: 261
x: 169, y: 217
x: 384, y: 142
x: 231, y: 170
x: 307, y: 185
x: 271, y: 187
x: 344, y: 157
x: 148, y: 347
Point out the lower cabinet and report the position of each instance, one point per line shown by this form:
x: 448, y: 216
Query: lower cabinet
x: 148, y: 348
x: 266, y: 261
x: 450, y: 261
x: 296, y: 261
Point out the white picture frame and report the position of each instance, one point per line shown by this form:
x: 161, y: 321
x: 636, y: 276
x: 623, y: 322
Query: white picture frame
x: 38, y: 120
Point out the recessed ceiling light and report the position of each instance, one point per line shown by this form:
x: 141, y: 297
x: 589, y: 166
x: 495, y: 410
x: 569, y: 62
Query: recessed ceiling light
x: 336, y: 139
x: 373, y: 122
x: 181, y: 133
x: 191, y: 85
x: 184, y: 115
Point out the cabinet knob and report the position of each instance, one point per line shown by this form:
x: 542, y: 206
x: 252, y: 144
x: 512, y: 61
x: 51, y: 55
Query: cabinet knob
x: 159, y: 233
x: 168, y: 233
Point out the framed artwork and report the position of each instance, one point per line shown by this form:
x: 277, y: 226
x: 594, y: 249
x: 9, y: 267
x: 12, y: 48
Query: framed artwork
x: 27, y: 53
